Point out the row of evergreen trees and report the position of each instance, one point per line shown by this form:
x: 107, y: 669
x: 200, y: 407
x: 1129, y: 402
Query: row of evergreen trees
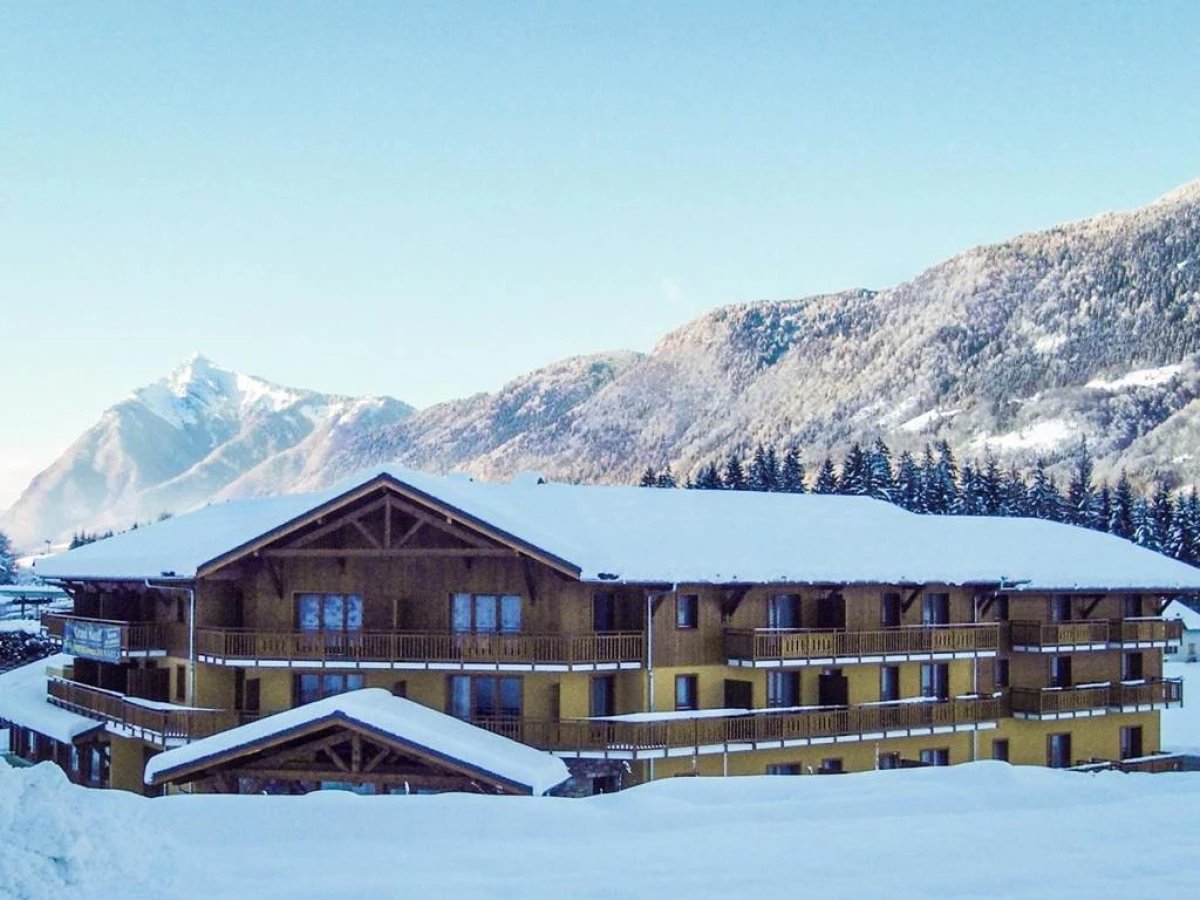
x: 936, y: 483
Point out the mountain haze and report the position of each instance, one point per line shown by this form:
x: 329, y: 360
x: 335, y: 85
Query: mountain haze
x: 1023, y: 347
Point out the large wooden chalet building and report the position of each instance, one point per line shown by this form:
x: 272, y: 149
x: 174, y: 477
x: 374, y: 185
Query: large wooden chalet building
x: 631, y: 633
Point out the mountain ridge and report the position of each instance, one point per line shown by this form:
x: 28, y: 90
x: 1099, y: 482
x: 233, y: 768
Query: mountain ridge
x: 1086, y: 329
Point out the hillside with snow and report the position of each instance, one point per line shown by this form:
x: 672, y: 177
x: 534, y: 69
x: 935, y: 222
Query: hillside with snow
x: 1090, y: 329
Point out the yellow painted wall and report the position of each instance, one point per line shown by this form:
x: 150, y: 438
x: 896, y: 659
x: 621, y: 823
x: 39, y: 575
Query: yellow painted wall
x: 126, y: 766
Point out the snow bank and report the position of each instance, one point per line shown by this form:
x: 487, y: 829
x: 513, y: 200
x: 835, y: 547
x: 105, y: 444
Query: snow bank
x: 24, y: 701
x: 985, y: 829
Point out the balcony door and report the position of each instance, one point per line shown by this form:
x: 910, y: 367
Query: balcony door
x: 485, y: 614
x: 890, y: 612
x: 1060, y: 671
x: 833, y: 688
x: 334, y: 617
x: 783, y: 611
x: 935, y: 609
x: 831, y: 611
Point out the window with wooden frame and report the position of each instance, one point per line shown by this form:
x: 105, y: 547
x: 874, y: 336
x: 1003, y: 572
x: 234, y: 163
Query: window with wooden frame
x: 687, y: 611
x: 484, y: 696
x: 1132, y: 667
x: 935, y: 680
x: 1131, y: 606
x: 1000, y: 673
x: 604, y: 612
x: 329, y: 612
x: 785, y: 769
x: 485, y: 613
x: 889, y: 683
x: 890, y: 611
x: 687, y: 692
x: 936, y: 756
x: 1131, y: 742
x: 888, y: 761
x: 311, y: 686
x: 603, y: 700
x: 1060, y: 608
x: 783, y: 689
x: 831, y: 766
x: 1060, y: 671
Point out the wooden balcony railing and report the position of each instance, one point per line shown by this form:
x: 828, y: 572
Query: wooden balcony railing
x: 1060, y: 701
x: 1156, y: 692
x: 1136, y: 631
x: 597, y: 737
x: 138, y: 638
x: 1060, y: 634
x: 761, y: 644
x: 616, y: 648
x: 154, y: 722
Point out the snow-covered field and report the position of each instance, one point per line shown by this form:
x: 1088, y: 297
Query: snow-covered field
x: 980, y: 830
x: 1181, y: 727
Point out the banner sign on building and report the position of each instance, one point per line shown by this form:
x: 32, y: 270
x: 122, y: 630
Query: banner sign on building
x: 92, y: 641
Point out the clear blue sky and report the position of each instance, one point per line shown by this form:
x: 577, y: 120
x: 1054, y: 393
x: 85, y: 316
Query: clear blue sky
x: 427, y: 200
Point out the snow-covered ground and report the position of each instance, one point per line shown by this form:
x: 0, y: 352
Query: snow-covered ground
x: 1181, y: 727
x: 980, y: 830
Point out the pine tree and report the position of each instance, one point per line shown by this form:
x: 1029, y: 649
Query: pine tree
x: 763, y: 471
x: 1014, y: 499
x: 971, y: 500
x: 991, y: 486
x: 1162, y: 510
x: 1081, y: 493
x: 1190, y: 506
x: 929, y: 499
x: 827, y: 482
x: 709, y: 478
x: 1144, y: 533
x: 881, y: 483
x: 908, y: 484
x: 1104, y: 503
x: 855, y: 477
x: 791, y: 473
x: 733, y: 478
x: 665, y: 479
x: 941, y: 490
x: 649, y: 478
x: 8, y: 561
x: 1120, y: 518
x: 1045, y: 502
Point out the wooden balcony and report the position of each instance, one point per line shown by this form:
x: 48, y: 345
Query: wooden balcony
x: 758, y: 730
x: 148, y: 720
x: 766, y: 647
x: 1150, y: 632
x: 1095, y: 700
x: 131, y: 640
x: 422, y: 650
x: 1094, y: 634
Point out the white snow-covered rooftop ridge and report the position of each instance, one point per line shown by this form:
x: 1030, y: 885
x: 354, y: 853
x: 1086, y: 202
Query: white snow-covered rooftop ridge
x: 1177, y: 610
x: 378, y: 710
x: 23, y: 701
x: 637, y: 535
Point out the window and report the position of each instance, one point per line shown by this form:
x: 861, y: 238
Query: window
x: 180, y: 684
x: 888, y: 761
x: 329, y: 612
x: 1131, y: 742
x: 1060, y: 671
x: 831, y: 766
x: 686, y: 692
x: 604, y: 612
x: 1058, y: 750
x: 889, y: 610
x: 1132, y: 606
x: 687, y: 611
x: 1000, y: 673
x: 935, y: 680
x: 1000, y: 750
x: 1000, y: 608
x: 935, y: 609
x: 783, y: 689
x: 312, y: 686
x: 785, y: 769
x: 485, y: 696
x: 485, y: 613
x: 603, y: 696
x: 1132, y: 668
x: 783, y: 611
x: 936, y: 756
x: 889, y: 683
x: 1060, y: 608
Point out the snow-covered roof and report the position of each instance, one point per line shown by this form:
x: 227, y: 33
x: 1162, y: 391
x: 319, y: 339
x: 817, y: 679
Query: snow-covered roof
x: 379, y: 711
x: 641, y: 535
x: 1177, y: 610
x: 24, y: 702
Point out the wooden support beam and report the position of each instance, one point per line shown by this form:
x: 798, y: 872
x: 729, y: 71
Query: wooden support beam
x: 387, y: 525
x: 356, y: 753
x: 276, y: 578
x: 916, y: 592
x: 731, y: 600
x: 374, y: 761
x: 399, y: 553
x: 365, y: 532
x: 338, y: 523
x: 336, y: 759
x: 410, y: 533
x: 530, y: 583
x: 1089, y: 609
x: 446, y: 524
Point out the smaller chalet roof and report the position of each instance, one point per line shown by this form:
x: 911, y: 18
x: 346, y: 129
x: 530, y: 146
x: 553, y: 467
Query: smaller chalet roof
x: 615, y: 534
x: 24, y: 702
x: 1179, y: 610
x: 440, y: 735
